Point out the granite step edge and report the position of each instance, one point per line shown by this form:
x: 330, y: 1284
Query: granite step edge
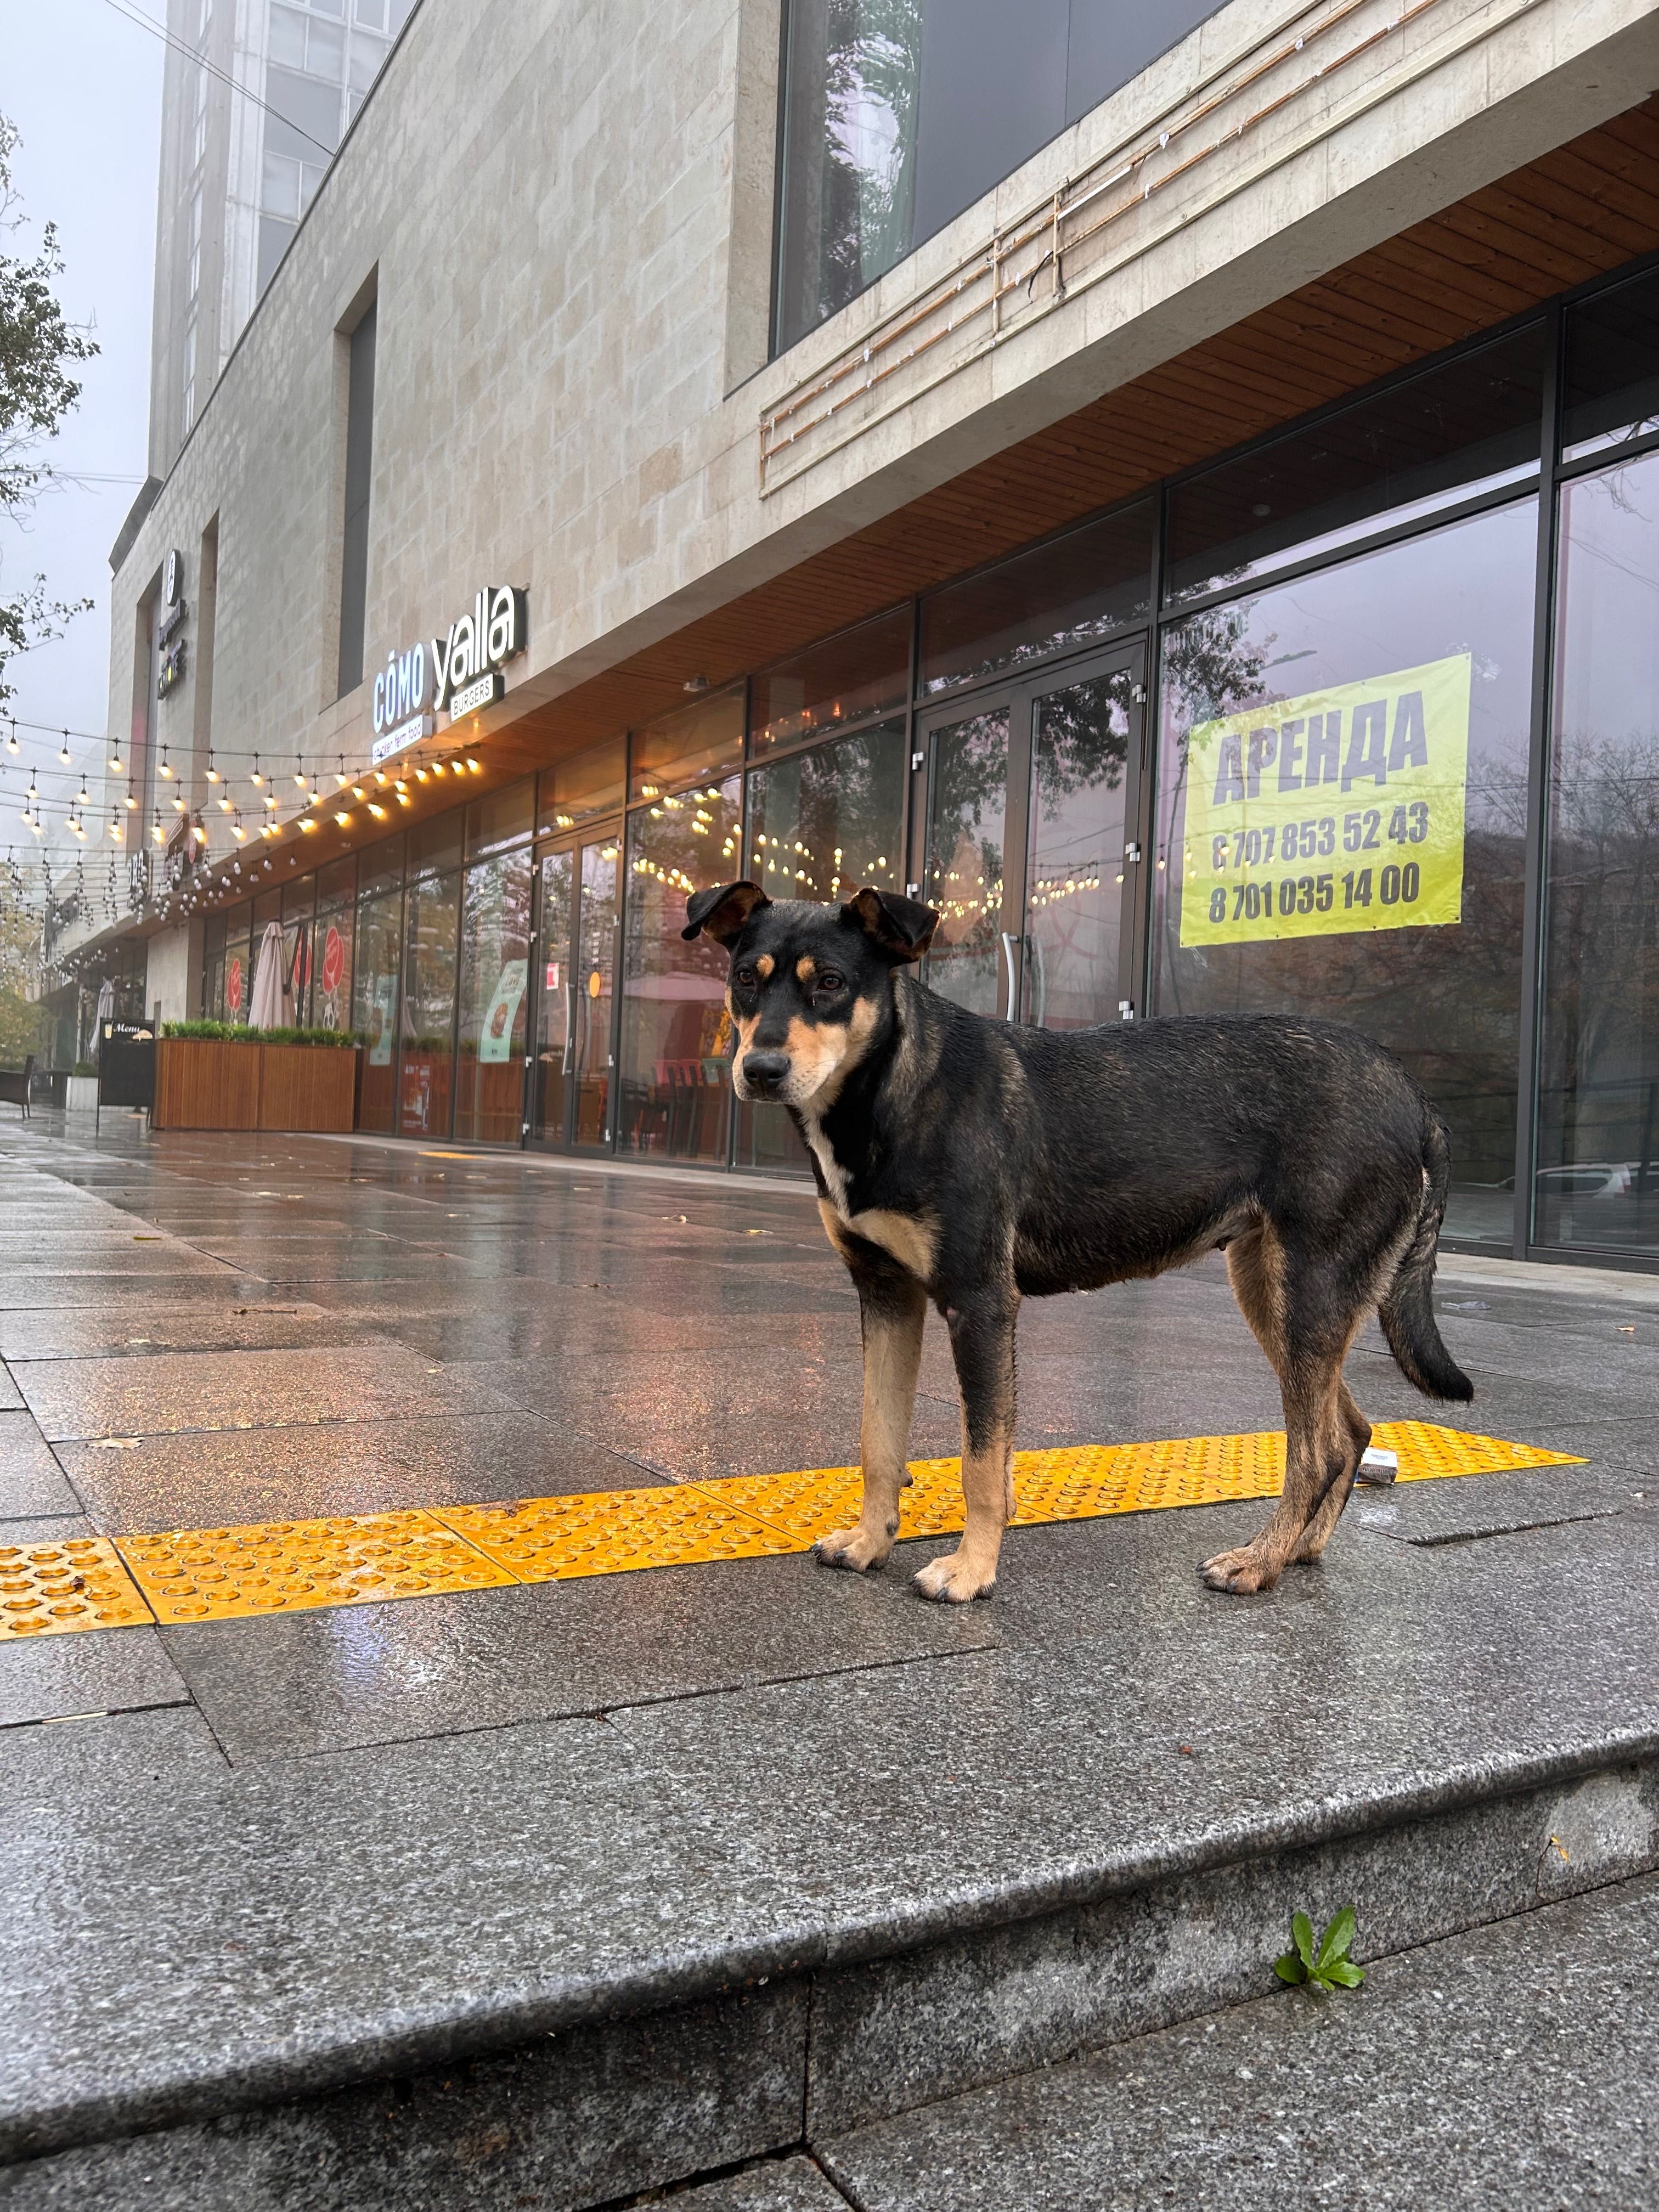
x: 898, y: 2024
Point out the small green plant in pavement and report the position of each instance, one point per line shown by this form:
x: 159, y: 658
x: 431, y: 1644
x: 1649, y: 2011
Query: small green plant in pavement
x: 1326, y: 1964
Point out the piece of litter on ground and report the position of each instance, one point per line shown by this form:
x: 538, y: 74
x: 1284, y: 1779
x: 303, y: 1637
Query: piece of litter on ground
x: 1380, y: 1467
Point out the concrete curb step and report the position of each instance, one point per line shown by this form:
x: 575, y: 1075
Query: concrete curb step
x: 585, y: 2118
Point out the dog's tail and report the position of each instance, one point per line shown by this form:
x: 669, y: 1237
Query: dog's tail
x: 1406, y: 1309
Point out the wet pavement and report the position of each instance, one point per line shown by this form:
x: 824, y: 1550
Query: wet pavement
x: 272, y: 1857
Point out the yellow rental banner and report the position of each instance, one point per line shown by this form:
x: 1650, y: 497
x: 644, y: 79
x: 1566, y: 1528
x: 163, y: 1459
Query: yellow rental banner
x: 1338, y: 811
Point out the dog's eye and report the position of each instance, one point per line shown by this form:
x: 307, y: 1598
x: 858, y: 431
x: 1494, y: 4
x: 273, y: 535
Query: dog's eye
x: 745, y: 979
x: 830, y: 982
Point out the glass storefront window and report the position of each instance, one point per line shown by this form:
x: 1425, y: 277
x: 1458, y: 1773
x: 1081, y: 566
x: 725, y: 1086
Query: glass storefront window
x: 375, y: 991
x: 675, y: 1091
x: 238, y: 987
x: 380, y: 866
x: 702, y: 743
x: 494, y: 977
x: 1470, y: 425
x: 213, y: 966
x: 331, y: 938
x: 1598, y: 1107
x: 505, y: 819
x: 426, y: 1065
x: 435, y: 844
x: 897, y: 114
x: 1342, y: 820
x: 299, y: 915
x: 845, y: 679
x: 1087, y: 585
x: 1612, y: 369
x: 575, y: 790
x: 821, y: 825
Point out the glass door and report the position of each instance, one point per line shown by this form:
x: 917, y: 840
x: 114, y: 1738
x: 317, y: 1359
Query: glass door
x: 574, y: 1068
x: 1031, y: 860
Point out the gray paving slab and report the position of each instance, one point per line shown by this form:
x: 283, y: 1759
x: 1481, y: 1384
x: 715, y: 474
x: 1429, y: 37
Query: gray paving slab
x: 114, y: 1331
x: 95, y: 1671
x: 788, y: 2184
x: 42, y: 1766
x: 1513, y: 2067
x: 392, y: 1908
x: 79, y: 1399
x: 31, y: 1482
x: 322, y: 1682
x: 228, y: 1476
x: 61, y: 1286
x: 1474, y: 1506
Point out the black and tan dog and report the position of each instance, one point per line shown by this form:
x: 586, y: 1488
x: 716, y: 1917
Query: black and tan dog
x: 974, y: 1162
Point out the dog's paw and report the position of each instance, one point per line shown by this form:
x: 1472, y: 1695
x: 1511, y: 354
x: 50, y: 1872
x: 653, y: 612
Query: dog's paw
x: 853, y: 1548
x: 955, y: 1579
x: 1240, y: 1573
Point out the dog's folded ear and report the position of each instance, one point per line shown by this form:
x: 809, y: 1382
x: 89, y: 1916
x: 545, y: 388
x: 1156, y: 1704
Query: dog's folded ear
x: 722, y: 912
x: 899, y: 926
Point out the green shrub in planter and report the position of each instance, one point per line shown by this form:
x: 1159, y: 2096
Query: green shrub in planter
x: 239, y: 1033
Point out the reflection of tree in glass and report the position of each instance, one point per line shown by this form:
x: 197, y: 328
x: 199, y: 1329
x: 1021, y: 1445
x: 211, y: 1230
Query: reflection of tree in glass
x: 873, y: 62
x: 1083, y: 740
x: 1602, y: 1026
x: 970, y: 788
x: 828, y: 821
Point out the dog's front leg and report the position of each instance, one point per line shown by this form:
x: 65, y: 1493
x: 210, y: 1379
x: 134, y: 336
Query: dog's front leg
x: 892, y: 1309
x: 983, y: 1343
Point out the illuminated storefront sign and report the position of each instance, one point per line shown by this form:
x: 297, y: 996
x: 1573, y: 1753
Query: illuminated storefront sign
x: 1337, y: 812
x: 461, y: 671
x: 170, y: 671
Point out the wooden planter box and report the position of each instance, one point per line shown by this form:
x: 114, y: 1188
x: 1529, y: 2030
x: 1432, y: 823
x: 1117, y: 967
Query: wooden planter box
x: 204, y: 1083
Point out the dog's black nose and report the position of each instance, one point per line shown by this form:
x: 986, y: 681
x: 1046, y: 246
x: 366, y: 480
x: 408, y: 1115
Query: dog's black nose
x: 764, y: 1072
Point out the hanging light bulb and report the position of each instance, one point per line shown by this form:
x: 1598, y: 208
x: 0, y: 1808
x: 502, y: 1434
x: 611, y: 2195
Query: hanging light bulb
x: 165, y: 771
x: 271, y: 799
x: 117, y: 767
x: 257, y: 777
x: 12, y: 746
x: 63, y: 750
x: 212, y: 771
x: 236, y: 828
x: 115, y: 830
x: 132, y: 797
x: 157, y: 831
x: 198, y: 831
x: 226, y: 803
x: 83, y: 797
x: 177, y: 802
x: 340, y: 779
x: 299, y: 770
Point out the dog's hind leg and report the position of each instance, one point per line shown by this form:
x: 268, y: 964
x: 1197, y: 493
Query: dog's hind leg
x: 892, y: 1309
x: 983, y: 1341
x: 1347, y: 1435
x: 1300, y: 1319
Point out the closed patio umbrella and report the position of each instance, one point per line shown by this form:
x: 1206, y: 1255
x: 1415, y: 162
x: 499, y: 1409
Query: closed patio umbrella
x: 264, y: 1010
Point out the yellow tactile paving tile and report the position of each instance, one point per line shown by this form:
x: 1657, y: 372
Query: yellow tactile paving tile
x: 805, y: 1505
x: 290, y: 1567
x: 45, y: 1589
x: 1085, y: 1482
x: 608, y: 1532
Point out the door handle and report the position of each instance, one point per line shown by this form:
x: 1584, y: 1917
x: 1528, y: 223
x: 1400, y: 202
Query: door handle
x: 569, y: 1025
x: 1008, y: 941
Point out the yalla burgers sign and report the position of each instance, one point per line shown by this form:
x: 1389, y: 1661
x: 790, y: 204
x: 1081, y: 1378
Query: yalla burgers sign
x: 461, y: 671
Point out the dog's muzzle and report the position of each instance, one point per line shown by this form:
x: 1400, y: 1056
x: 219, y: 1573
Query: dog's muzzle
x: 765, y: 1074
